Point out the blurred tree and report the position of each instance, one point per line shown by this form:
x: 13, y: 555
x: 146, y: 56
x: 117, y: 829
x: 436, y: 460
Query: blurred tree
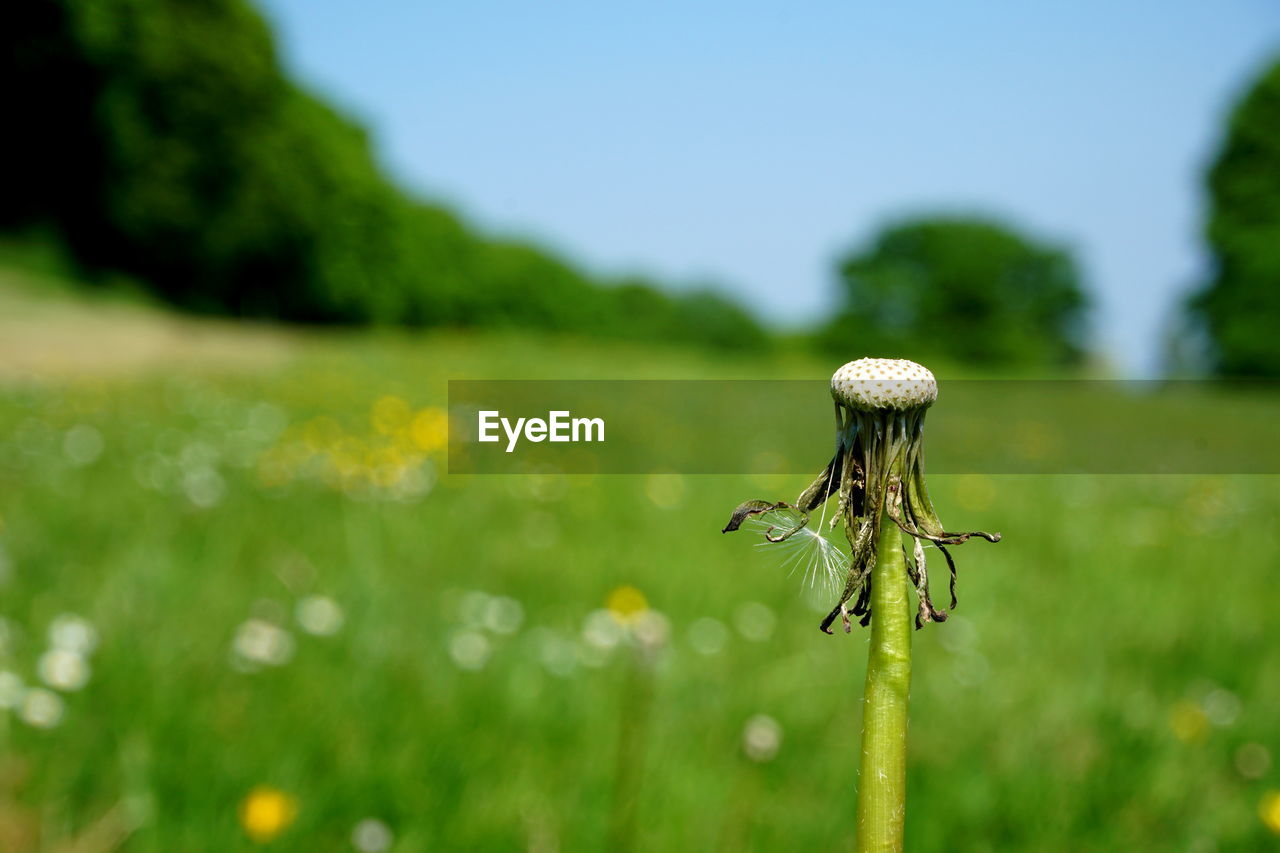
x: 161, y: 138
x: 1239, y: 308
x: 969, y: 289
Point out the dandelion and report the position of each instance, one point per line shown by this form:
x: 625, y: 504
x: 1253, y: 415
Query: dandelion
x: 11, y: 689
x: 601, y: 630
x: 558, y: 654
x: 470, y: 650
x: 390, y: 415
x: 266, y: 812
x: 258, y: 641
x: 754, y: 621
x: 82, y: 445
x: 63, y: 670
x: 371, y: 836
x: 877, y: 472
x: 430, y: 430
x: 503, y: 615
x: 1187, y: 721
x: 761, y: 738
x: 319, y: 615
x: 71, y: 633
x: 877, y: 476
x: 1269, y: 811
x: 626, y: 604
x: 40, y: 708
x: 1221, y: 707
x: 708, y: 636
x: 1253, y: 760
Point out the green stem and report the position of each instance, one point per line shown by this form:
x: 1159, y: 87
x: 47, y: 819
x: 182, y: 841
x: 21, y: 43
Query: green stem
x: 882, y: 788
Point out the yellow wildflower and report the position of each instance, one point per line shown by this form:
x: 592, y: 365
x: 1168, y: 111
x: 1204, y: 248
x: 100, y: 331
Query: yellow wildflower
x: 626, y: 604
x: 1269, y: 810
x: 267, y: 812
x: 1188, y: 721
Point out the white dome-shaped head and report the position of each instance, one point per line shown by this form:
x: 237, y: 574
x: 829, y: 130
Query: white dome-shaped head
x: 872, y: 384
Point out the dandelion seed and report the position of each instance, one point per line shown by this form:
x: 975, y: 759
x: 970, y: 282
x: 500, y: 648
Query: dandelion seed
x: 266, y: 813
x: 818, y: 560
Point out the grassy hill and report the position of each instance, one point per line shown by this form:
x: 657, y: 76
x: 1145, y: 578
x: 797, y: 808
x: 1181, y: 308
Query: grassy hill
x: 245, y: 533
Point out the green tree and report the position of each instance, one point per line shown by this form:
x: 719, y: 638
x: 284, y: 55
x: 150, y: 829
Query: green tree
x: 973, y: 290
x: 162, y: 139
x: 1239, y: 307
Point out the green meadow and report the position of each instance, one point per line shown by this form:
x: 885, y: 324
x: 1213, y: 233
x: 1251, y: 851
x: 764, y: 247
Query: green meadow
x: 243, y: 605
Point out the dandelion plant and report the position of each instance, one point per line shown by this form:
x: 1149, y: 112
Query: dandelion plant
x: 877, y: 475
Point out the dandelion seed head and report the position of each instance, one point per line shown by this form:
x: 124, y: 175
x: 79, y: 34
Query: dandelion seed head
x: 258, y: 641
x: 872, y: 384
x: 319, y: 615
x: 72, y: 633
x: 11, y: 689
x: 63, y: 670
x: 761, y: 738
x: 371, y: 836
x: 41, y: 708
x: 469, y: 649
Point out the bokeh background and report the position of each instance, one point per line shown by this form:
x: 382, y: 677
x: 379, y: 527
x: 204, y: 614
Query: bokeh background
x: 243, y: 602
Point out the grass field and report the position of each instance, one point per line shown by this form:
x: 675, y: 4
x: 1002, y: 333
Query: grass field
x: 241, y: 604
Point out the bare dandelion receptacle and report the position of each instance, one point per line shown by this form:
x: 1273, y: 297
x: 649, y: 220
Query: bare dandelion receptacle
x: 877, y: 472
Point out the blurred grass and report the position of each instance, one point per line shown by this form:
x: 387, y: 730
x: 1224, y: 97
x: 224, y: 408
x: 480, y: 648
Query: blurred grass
x: 1108, y: 682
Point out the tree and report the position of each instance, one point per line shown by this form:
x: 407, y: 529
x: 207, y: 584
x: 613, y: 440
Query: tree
x: 1239, y: 307
x: 162, y: 139
x: 969, y: 289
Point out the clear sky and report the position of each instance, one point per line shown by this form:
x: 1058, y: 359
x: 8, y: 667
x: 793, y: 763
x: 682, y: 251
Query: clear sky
x: 747, y: 144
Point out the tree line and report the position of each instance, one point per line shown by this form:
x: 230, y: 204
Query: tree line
x: 163, y: 140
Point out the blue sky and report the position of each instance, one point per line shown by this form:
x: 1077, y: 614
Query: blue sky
x: 747, y: 144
